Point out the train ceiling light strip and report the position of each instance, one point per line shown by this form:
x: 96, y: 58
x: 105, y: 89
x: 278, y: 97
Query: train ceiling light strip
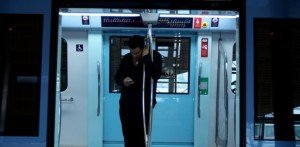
x: 97, y: 14
x: 202, y: 16
x: 136, y: 15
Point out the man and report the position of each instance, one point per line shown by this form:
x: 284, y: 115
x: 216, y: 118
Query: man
x: 130, y: 77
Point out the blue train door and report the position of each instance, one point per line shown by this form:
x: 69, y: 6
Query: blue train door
x: 173, y: 116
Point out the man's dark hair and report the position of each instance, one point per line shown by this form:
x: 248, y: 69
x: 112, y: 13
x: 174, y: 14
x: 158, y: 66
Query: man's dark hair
x: 136, y: 41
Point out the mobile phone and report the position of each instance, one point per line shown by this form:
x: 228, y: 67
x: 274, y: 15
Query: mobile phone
x: 128, y: 80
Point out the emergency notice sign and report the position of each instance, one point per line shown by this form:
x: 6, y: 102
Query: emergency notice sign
x: 204, y: 47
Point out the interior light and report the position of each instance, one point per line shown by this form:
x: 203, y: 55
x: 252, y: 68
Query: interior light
x: 136, y: 15
x: 203, y: 16
x: 97, y: 14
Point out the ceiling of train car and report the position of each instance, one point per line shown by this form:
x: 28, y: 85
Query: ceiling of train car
x: 140, y: 31
x: 138, y: 11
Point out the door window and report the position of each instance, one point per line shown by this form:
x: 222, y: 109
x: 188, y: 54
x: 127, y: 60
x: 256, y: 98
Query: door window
x: 175, y: 53
x: 20, y: 80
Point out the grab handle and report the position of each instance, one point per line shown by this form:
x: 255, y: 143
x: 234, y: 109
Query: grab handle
x: 226, y: 85
x: 98, y: 88
x: 199, y: 88
x: 71, y: 99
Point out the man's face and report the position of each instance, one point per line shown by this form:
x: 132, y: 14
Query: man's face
x: 136, y: 53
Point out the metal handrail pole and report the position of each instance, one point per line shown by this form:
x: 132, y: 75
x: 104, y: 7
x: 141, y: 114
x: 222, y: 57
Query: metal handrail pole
x: 151, y: 87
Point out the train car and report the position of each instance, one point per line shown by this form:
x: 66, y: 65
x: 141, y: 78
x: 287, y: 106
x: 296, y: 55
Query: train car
x: 60, y: 57
x: 196, y: 102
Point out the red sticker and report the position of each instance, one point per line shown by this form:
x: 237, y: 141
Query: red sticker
x: 204, y: 47
x: 197, y: 22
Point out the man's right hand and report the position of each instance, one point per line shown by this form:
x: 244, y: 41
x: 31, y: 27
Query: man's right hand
x: 128, y: 81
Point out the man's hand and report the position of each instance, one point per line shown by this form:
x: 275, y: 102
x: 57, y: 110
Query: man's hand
x: 145, y: 51
x: 128, y: 81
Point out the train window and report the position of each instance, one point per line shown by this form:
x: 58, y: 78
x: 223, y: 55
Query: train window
x: 20, y: 79
x: 233, y: 70
x: 175, y: 58
x: 64, y: 65
x: 118, y: 48
x: 277, y: 78
x: 175, y: 53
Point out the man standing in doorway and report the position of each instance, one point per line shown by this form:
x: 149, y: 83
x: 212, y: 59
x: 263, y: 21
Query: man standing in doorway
x: 130, y: 77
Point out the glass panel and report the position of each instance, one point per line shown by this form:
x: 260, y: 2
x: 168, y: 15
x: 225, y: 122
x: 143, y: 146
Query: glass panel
x: 175, y: 61
x: 64, y: 65
x: 20, y: 79
x: 118, y: 48
x: 233, y: 70
x: 277, y: 80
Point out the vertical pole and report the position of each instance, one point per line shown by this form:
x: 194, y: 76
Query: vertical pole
x: 147, y: 135
x: 151, y: 86
x: 144, y: 109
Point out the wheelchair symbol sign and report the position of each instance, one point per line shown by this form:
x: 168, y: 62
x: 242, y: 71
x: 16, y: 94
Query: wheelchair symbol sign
x: 79, y: 47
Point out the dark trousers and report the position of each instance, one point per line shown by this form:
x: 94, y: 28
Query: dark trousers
x: 132, y: 127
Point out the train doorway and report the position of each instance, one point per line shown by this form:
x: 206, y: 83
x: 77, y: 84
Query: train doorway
x: 197, y: 94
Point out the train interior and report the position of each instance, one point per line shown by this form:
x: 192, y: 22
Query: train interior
x: 197, y: 93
